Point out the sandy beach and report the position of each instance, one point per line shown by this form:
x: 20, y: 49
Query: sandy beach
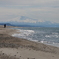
x: 17, y: 48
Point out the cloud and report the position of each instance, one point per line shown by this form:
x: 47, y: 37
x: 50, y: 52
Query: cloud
x: 10, y: 13
x: 27, y: 2
x: 38, y: 10
x: 45, y: 14
x: 18, y: 19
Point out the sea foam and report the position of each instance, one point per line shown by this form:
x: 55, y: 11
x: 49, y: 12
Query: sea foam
x: 23, y: 33
x: 42, y: 35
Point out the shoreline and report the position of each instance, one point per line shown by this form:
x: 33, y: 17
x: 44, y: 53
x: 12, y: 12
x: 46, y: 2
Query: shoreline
x: 25, y: 49
x: 43, y: 42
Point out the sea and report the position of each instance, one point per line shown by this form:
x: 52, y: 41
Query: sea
x: 45, y: 35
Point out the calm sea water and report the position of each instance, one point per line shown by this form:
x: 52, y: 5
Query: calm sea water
x: 44, y: 35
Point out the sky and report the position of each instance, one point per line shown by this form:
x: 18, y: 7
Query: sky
x: 34, y: 10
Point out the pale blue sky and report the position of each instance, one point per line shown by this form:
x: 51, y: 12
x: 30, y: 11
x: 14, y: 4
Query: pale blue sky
x: 36, y: 10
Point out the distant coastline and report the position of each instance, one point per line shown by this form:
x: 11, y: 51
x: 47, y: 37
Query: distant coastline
x: 30, y: 24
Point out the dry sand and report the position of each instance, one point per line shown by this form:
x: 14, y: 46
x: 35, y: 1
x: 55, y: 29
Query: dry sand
x: 17, y: 48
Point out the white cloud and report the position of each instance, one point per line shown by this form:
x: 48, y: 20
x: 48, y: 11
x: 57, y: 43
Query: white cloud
x: 10, y: 13
x: 42, y: 10
x: 46, y: 13
x: 17, y: 19
x: 26, y: 2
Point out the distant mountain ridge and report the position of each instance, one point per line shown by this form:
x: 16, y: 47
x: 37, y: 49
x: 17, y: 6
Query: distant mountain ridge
x: 32, y: 25
x: 5, y: 23
x: 29, y: 22
x: 8, y: 24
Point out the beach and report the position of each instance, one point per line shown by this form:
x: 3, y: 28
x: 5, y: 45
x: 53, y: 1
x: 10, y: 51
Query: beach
x: 17, y: 48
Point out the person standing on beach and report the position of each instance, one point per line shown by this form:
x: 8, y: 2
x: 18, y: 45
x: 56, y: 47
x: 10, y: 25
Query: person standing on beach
x: 4, y: 25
